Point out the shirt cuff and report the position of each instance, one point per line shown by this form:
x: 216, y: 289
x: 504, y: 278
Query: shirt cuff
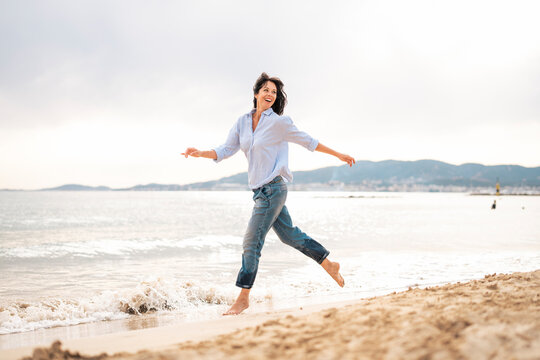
x: 219, y: 155
x: 313, y: 144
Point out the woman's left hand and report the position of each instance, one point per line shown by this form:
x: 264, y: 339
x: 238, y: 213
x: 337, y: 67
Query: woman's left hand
x: 343, y: 157
x: 346, y: 158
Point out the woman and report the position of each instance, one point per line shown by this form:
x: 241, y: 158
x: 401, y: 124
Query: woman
x: 263, y: 135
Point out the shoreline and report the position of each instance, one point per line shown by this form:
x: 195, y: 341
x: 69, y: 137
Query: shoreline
x: 164, y: 337
x: 494, y: 317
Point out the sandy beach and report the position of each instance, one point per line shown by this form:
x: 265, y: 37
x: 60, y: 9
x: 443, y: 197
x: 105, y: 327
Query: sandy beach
x: 497, y: 317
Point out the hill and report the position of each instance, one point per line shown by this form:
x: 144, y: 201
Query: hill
x: 388, y: 175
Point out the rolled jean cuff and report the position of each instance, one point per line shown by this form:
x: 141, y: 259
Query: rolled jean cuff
x: 325, y: 255
x: 244, y: 286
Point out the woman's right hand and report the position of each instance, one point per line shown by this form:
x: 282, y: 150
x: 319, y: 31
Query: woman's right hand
x: 192, y: 152
x: 209, y: 154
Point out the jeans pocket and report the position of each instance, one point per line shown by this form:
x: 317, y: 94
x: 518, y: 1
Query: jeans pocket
x: 261, y: 205
x: 266, y: 190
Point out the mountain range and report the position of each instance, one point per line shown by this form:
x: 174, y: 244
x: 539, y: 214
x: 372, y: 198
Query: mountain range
x: 388, y: 175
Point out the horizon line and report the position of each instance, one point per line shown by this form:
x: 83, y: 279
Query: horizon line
x: 325, y: 167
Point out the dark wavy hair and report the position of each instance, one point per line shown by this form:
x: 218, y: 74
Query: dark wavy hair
x: 281, y: 98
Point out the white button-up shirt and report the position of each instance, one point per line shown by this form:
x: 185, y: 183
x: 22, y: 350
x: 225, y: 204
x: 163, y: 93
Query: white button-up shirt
x: 266, y: 148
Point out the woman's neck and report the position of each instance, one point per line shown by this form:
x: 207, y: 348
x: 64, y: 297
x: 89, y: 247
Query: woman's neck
x: 257, y: 114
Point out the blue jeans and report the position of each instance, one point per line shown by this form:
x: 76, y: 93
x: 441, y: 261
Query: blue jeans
x: 270, y: 211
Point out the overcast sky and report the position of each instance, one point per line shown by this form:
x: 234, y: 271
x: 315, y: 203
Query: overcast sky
x: 111, y: 92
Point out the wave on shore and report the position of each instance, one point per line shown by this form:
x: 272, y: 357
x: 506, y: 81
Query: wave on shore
x: 147, y: 296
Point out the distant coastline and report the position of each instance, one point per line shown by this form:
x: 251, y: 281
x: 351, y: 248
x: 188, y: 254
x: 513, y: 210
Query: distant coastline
x: 381, y: 176
x: 509, y: 194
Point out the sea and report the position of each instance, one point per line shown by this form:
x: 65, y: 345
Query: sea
x: 75, y: 264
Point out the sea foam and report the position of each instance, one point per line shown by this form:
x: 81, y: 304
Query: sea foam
x: 185, y: 298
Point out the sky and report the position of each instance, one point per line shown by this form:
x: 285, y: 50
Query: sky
x: 111, y: 92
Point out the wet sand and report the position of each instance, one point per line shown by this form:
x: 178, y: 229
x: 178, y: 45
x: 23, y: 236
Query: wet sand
x: 497, y: 317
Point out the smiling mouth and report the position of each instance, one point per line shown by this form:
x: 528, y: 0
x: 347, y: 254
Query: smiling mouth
x: 269, y: 100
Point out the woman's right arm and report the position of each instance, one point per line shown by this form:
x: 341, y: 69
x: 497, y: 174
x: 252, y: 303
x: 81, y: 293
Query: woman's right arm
x: 231, y: 146
x: 209, y: 154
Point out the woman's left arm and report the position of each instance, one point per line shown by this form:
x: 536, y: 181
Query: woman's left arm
x: 291, y: 133
x: 343, y: 157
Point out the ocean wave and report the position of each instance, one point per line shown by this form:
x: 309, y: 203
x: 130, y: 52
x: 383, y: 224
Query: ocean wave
x: 113, y: 247
x: 148, y: 296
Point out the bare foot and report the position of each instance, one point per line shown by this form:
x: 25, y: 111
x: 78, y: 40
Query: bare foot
x: 238, y: 306
x: 332, y: 268
x: 241, y: 303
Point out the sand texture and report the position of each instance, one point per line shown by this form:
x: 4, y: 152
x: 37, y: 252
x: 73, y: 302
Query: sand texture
x: 497, y: 317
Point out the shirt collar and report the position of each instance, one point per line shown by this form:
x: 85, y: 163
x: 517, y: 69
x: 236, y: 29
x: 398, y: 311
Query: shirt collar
x: 266, y: 112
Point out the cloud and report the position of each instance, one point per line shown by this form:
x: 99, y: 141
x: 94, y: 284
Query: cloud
x: 423, y: 71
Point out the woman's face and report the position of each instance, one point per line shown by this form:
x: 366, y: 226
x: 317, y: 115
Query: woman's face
x: 266, y: 96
